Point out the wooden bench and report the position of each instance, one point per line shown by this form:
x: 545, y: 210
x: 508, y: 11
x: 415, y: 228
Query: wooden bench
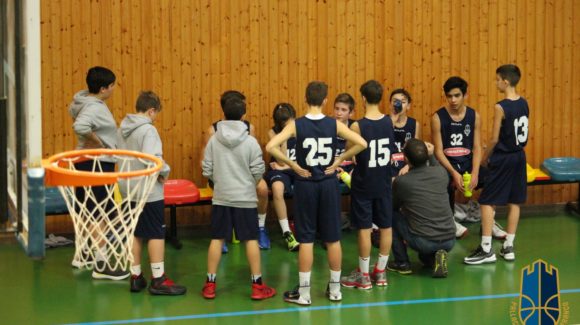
x: 547, y: 175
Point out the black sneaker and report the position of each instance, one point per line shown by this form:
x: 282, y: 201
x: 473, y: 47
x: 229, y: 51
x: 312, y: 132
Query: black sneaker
x: 103, y: 271
x: 165, y: 286
x: 137, y: 282
x: 507, y: 253
x: 400, y: 267
x: 440, y: 266
x: 294, y: 296
x: 479, y: 256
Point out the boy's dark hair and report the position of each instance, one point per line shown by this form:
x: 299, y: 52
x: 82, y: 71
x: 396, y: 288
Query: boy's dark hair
x: 346, y: 99
x: 231, y: 94
x: 316, y: 92
x: 402, y: 91
x: 455, y: 82
x: 372, y: 91
x: 99, y: 77
x: 282, y: 113
x: 146, y: 100
x: 234, y: 109
x: 416, y: 152
x: 509, y: 72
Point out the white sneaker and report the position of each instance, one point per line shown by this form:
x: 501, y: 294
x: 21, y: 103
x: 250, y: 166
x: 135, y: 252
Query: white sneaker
x: 461, y: 211
x: 295, y: 297
x: 497, y: 231
x: 333, y: 295
x: 460, y: 230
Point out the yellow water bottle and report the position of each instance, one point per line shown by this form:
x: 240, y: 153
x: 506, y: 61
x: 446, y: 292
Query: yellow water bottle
x: 345, y: 177
x: 466, y: 182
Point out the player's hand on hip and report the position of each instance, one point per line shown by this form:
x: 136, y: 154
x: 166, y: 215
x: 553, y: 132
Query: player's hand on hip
x: 301, y: 171
x: 430, y: 148
x: 332, y: 168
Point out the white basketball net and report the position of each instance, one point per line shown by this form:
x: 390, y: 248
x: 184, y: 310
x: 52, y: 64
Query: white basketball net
x: 104, y: 223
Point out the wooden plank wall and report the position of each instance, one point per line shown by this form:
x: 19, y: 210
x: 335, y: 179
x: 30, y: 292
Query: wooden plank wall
x: 191, y: 51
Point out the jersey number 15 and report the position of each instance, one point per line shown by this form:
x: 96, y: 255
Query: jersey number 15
x: 380, y: 153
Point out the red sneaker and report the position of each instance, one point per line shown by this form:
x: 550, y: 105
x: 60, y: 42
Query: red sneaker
x: 208, y: 291
x: 262, y: 291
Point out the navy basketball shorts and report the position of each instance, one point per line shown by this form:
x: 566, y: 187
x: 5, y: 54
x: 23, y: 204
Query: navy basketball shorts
x: 366, y: 211
x: 317, y: 207
x: 284, y: 176
x: 506, y: 181
x: 151, y: 224
x: 244, y: 221
x: 99, y: 192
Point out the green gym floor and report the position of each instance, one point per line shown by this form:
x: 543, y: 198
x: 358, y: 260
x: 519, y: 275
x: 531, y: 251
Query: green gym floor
x: 51, y: 292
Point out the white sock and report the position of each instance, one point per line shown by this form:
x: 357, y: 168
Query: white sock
x: 486, y: 243
x: 382, y: 262
x: 262, y: 220
x: 158, y: 269
x: 136, y: 269
x: 363, y: 264
x: 284, y: 225
x: 509, y: 240
x: 101, y: 254
x: 334, y: 284
x: 304, y: 282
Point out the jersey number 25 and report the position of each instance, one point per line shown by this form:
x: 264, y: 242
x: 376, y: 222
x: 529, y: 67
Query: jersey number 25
x: 319, y: 151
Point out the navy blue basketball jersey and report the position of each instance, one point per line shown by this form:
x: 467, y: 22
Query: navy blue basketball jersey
x: 457, y: 138
x: 216, y: 123
x: 290, y: 148
x: 371, y: 176
x: 513, y: 135
x: 315, y: 145
x: 402, y: 135
x: 340, y: 142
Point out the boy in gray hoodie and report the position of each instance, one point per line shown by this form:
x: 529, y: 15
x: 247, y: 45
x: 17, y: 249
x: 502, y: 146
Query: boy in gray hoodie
x: 137, y: 133
x: 233, y: 162
x: 95, y: 127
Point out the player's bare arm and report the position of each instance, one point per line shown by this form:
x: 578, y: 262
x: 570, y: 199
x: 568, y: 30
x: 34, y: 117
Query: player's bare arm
x: 274, y: 148
x: 498, y: 116
x: 477, y: 152
x: 358, y: 144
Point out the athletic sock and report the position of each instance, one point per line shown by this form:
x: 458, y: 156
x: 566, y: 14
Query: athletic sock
x: 486, y: 243
x: 509, y: 240
x: 363, y: 264
x: 304, y: 284
x: 136, y: 269
x: 284, y: 225
x: 158, y: 269
x: 257, y: 279
x: 211, y: 277
x: 334, y: 285
x: 262, y: 220
x: 382, y: 262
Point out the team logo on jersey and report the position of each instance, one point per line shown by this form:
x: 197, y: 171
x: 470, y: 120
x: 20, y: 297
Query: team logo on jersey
x: 398, y: 156
x: 467, y: 130
x: 407, y: 136
x: 456, y: 152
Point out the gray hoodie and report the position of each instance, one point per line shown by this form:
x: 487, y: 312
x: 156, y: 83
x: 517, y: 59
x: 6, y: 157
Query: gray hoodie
x: 91, y: 114
x: 233, y: 161
x: 137, y: 133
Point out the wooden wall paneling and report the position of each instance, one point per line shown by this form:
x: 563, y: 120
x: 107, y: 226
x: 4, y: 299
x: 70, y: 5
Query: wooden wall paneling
x: 293, y: 58
x: 56, y: 72
x: 546, y: 119
x: 283, y: 57
x: 187, y: 148
x: 49, y: 106
x: 190, y: 52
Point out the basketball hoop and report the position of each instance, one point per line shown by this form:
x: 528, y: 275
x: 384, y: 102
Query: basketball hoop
x: 104, y: 220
